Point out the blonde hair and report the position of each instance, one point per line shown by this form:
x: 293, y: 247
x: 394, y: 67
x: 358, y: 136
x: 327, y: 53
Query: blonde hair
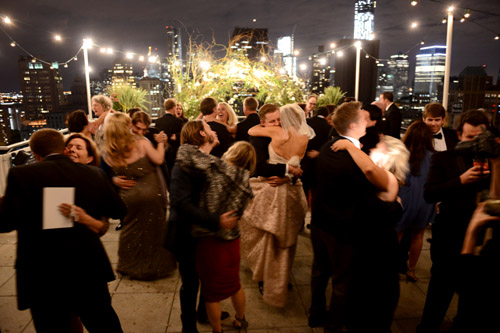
x: 105, y: 101
x: 396, y: 158
x: 242, y: 154
x: 119, y: 140
x: 232, y: 119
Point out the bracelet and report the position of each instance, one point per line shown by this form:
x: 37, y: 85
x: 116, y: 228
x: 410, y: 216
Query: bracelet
x: 73, y: 214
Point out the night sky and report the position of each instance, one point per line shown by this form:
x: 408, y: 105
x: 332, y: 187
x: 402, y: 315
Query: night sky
x: 134, y: 25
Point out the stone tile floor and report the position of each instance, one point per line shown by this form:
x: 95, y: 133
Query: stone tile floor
x: 153, y: 307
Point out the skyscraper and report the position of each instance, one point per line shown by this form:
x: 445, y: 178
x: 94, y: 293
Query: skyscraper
x: 285, y: 50
x: 429, y: 72
x: 364, y: 15
x: 123, y: 73
x: 41, y: 86
x: 174, y: 43
x: 253, y: 43
x: 321, y: 68
x: 398, y: 67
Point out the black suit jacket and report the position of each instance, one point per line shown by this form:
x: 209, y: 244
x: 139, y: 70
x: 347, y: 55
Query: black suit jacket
x: 264, y: 169
x: 185, y: 190
x: 243, y: 127
x: 225, y: 138
x: 60, y: 259
x: 392, y: 122
x: 457, y: 201
x: 450, y: 137
x: 345, y: 204
x: 170, y: 124
x: 321, y: 129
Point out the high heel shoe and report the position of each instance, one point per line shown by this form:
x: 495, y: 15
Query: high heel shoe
x: 410, y: 275
x: 240, y: 324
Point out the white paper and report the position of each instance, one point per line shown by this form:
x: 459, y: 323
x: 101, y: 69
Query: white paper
x: 52, y: 198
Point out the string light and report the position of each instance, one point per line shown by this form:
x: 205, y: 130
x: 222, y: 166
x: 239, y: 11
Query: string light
x: 7, y: 20
x: 467, y: 13
x: 414, y: 25
x: 443, y: 20
x: 13, y: 44
x: 497, y: 37
x: 462, y: 20
x: 414, y: 3
x: 58, y: 38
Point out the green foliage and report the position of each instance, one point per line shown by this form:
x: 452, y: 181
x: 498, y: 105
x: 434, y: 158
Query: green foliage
x: 126, y: 97
x: 225, y: 78
x: 332, y: 95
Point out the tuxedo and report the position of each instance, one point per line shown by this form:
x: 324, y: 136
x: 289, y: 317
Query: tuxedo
x: 450, y: 137
x: 225, y: 139
x: 347, y: 218
x: 392, y: 121
x: 457, y: 203
x: 243, y: 127
x: 264, y: 169
x: 170, y: 124
x: 321, y: 129
x: 61, y: 270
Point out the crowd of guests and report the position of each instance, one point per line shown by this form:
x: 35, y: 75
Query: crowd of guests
x: 236, y: 190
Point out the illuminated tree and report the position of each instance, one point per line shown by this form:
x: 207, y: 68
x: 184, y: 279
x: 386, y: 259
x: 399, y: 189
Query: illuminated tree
x: 230, y: 77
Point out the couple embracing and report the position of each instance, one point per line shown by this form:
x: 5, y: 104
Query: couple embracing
x: 273, y: 219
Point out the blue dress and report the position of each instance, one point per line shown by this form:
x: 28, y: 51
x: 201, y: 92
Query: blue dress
x: 416, y: 212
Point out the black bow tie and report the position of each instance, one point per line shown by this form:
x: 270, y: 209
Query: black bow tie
x: 438, y: 136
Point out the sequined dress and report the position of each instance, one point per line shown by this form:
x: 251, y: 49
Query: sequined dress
x: 141, y: 255
x: 269, y: 228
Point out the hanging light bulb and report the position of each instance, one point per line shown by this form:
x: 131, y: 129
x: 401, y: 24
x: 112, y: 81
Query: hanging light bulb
x: 75, y: 58
x: 497, y: 37
x: 443, y: 20
x: 65, y: 65
x: 462, y: 20
x: 467, y: 13
x: 414, y: 3
x: 422, y: 42
x: 367, y: 56
x: 7, y: 20
x: 13, y: 44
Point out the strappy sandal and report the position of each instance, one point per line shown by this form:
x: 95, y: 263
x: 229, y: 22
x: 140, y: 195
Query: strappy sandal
x: 240, y: 324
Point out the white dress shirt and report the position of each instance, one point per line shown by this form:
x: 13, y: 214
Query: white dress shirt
x: 439, y: 144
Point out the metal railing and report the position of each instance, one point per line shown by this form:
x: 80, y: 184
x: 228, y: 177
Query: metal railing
x: 7, y: 156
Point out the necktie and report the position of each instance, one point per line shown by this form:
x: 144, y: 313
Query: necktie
x: 438, y: 136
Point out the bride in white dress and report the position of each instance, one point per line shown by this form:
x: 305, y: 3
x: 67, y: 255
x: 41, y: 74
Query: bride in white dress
x: 273, y: 219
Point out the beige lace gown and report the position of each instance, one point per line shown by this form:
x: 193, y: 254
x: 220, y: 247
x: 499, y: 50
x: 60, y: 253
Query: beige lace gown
x: 141, y: 255
x: 269, y: 229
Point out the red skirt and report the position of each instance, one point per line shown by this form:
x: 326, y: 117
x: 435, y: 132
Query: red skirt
x: 218, y: 265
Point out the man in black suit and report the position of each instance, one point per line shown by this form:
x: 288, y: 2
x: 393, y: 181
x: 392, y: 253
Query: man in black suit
x: 185, y: 191
x: 454, y: 182
x: 172, y: 127
x: 250, y: 105
x: 345, y: 209
x: 311, y: 102
x: 391, y: 116
x: 434, y: 117
x: 208, y: 108
x: 321, y: 128
x: 278, y: 174
x: 60, y: 272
